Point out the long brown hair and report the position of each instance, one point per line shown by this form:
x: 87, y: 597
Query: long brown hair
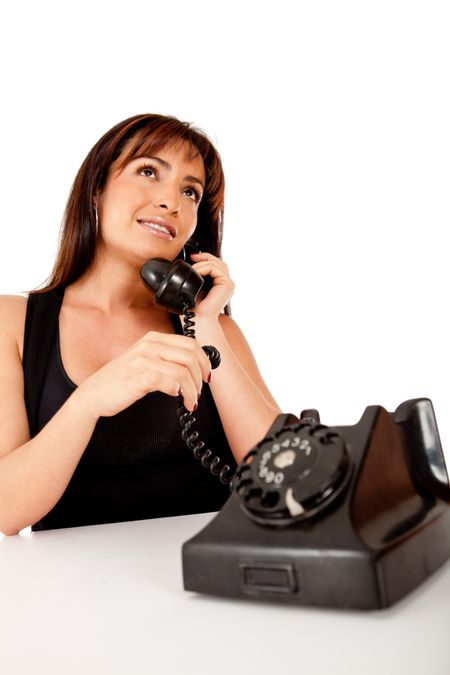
x: 143, y: 134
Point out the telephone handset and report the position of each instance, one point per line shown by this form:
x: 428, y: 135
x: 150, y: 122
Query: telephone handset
x: 176, y: 284
x: 176, y: 287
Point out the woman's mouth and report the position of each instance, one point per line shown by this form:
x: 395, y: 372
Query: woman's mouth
x: 154, y: 226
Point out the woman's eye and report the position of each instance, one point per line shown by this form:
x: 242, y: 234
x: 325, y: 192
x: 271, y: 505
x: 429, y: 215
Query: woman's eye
x: 146, y: 168
x: 194, y: 194
x: 149, y: 171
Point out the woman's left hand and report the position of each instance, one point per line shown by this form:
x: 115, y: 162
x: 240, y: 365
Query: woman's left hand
x: 212, y: 305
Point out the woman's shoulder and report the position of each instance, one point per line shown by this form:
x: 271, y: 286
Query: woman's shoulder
x: 13, y: 310
x: 13, y: 307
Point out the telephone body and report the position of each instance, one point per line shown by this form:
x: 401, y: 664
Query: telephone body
x: 351, y: 517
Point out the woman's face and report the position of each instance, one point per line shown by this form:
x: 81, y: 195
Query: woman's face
x: 149, y: 209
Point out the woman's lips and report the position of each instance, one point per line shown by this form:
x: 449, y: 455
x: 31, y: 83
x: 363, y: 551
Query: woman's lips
x: 157, y: 228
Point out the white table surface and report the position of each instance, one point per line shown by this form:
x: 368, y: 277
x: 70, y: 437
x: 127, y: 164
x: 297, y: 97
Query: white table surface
x: 109, y: 599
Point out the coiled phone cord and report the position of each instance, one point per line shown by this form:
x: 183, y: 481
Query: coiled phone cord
x: 187, y: 419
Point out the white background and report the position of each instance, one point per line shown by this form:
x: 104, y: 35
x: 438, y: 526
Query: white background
x: 332, y: 120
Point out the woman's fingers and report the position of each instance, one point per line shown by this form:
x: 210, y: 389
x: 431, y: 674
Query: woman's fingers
x: 180, y: 349
x: 223, y: 286
x: 185, y: 360
x: 160, y: 362
x: 174, y: 379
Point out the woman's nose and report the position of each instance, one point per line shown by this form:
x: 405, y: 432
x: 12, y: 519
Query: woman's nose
x: 168, y: 199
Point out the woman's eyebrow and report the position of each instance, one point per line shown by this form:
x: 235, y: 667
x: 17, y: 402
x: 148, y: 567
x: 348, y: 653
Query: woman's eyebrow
x: 168, y: 166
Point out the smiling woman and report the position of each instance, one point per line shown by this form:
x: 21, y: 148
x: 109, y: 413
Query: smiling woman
x: 133, y: 188
x: 92, y: 369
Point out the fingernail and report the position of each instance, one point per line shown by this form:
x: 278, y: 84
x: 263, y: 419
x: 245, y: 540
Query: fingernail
x: 180, y: 391
x: 195, y: 407
x: 209, y: 376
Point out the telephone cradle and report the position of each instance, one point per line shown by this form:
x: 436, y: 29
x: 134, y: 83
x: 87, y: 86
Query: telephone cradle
x: 351, y: 517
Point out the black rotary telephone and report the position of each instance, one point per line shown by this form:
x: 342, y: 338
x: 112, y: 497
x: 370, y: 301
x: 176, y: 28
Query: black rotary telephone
x: 352, y: 517
x: 176, y: 286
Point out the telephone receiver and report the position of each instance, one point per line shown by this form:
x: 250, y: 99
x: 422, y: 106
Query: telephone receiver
x: 176, y: 287
x: 176, y: 284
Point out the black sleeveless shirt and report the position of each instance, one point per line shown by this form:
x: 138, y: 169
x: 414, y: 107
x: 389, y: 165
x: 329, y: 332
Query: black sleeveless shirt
x: 135, y: 465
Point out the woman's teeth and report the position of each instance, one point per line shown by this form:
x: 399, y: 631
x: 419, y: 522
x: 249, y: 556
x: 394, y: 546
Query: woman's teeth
x: 159, y: 227
x: 156, y: 226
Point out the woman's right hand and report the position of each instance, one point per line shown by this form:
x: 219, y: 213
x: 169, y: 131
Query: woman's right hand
x: 157, y: 362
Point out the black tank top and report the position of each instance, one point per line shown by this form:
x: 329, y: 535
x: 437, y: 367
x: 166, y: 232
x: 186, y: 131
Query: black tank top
x: 135, y: 465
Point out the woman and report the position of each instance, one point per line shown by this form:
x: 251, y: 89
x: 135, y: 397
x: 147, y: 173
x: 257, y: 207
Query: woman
x: 93, y: 371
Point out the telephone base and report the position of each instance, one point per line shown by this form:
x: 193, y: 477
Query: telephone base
x: 229, y: 558
x: 376, y: 529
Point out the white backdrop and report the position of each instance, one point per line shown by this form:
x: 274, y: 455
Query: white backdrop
x: 332, y: 120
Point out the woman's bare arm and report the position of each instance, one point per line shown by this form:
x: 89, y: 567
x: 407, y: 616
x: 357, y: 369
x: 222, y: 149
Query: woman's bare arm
x: 245, y: 404
x: 33, y: 472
